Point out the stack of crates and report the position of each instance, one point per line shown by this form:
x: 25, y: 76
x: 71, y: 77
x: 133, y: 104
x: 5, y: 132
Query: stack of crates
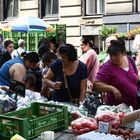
x: 32, y: 121
x: 32, y: 38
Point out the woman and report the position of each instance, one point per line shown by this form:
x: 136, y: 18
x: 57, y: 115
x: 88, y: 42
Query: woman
x: 67, y: 76
x: 118, y: 77
x: 90, y: 58
x: 8, y: 49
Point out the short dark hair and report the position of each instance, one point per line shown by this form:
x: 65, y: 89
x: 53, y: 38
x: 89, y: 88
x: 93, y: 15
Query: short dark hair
x: 43, y: 41
x: 48, y: 56
x: 69, y: 50
x: 7, y: 42
x: 53, y: 40
x: 115, y: 47
x: 43, y: 49
x: 32, y: 57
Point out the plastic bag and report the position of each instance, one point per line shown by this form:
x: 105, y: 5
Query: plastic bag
x: 6, y: 103
x: 91, y: 104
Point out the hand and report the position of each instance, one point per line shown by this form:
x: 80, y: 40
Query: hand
x: 116, y: 93
x: 57, y: 85
x: 5, y: 88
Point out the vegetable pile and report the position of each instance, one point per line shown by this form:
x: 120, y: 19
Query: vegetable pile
x: 83, y: 125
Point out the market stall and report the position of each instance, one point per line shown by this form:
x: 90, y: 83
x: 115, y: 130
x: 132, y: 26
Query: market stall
x: 69, y: 122
x: 31, y: 116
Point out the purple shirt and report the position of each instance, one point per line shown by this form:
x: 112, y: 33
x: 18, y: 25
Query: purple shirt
x: 124, y: 81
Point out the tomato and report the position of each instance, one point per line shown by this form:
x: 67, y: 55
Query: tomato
x: 77, y: 126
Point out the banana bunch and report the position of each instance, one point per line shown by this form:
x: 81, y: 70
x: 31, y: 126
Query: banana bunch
x: 106, y: 31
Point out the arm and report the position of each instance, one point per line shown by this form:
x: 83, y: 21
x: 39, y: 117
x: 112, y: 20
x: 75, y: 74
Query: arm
x: 83, y: 87
x: 102, y: 87
x: 48, y: 80
x: 45, y: 90
x: 18, y: 72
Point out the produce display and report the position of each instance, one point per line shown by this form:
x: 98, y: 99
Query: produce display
x: 98, y: 136
x: 75, y: 111
x: 116, y: 109
x: 125, y: 133
x: 83, y: 125
x: 115, y: 119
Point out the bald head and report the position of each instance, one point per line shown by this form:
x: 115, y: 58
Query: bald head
x: 108, y: 39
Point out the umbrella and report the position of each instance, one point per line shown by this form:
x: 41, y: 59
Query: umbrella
x: 26, y: 24
x: 5, y: 26
x: 50, y: 28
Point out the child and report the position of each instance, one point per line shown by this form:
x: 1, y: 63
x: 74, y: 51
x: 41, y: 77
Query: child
x: 47, y: 59
x: 30, y: 94
x: 30, y: 81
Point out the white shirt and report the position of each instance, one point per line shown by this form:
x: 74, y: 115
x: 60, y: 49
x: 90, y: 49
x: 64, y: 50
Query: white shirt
x: 17, y: 52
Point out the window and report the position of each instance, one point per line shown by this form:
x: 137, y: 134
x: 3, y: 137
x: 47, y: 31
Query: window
x: 93, y: 7
x: 49, y: 8
x: 10, y: 8
x: 137, y: 6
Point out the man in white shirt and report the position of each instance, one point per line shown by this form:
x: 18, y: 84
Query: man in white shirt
x: 20, y: 50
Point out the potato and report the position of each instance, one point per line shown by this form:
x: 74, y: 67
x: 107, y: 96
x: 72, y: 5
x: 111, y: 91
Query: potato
x: 120, y: 130
x: 126, y: 137
x: 114, y: 131
x: 126, y: 132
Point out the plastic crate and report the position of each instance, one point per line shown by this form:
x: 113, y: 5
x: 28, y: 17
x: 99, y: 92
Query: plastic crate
x: 32, y: 121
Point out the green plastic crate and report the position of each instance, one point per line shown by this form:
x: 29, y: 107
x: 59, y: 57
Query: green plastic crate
x: 32, y: 121
x: 32, y: 38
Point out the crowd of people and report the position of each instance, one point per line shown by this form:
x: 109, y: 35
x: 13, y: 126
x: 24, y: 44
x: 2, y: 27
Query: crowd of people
x: 58, y: 74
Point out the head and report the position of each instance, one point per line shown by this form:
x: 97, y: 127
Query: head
x: 67, y: 53
x: 86, y: 44
x: 59, y: 43
x: 43, y: 41
x: 48, y: 58
x: 1, y: 38
x: 21, y: 43
x: 31, y: 60
x: 108, y: 39
x: 53, y: 44
x: 43, y: 49
x: 9, y: 46
x: 30, y: 81
x: 117, y: 51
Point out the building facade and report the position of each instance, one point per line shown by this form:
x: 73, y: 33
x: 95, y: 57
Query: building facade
x: 82, y: 17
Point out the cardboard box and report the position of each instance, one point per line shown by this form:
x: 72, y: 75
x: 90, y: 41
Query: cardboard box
x: 130, y: 117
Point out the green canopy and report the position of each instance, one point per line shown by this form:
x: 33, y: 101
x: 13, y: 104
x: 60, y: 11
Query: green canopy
x: 102, y: 56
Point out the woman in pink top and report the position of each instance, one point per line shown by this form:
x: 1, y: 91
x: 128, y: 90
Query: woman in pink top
x: 118, y: 77
x: 90, y: 58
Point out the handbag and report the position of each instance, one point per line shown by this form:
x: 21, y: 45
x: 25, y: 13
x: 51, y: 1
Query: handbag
x: 72, y: 100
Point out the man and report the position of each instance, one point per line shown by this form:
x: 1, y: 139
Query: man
x: 20, y: 50
x: 16, y: 68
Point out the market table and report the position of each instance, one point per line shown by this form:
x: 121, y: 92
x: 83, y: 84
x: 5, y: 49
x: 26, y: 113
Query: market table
x: 64, y: 136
